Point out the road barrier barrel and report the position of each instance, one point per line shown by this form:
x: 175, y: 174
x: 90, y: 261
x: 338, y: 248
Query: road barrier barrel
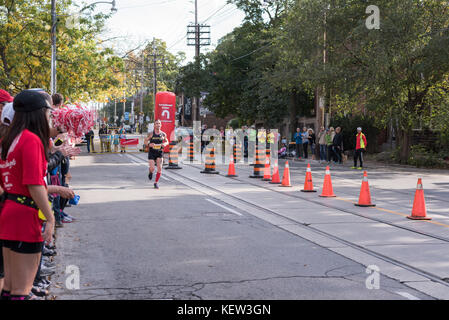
x: 173, y: 158
x: 259, y: 165
x: 191, y: 155
x: 210, y: 162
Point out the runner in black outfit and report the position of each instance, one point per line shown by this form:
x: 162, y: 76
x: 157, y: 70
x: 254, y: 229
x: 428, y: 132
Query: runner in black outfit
x: 157, y: 141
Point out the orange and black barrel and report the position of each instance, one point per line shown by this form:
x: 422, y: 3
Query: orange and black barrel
x: 173, y: 158
x: 210, y: 161
x: 191, y: 156
x: 259, y: 165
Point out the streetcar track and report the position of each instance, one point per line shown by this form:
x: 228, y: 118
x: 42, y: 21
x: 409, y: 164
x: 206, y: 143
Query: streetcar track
x: 403, y: 265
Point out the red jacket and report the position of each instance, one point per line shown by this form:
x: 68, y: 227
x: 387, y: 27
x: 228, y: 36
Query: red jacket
x: 358, y: 141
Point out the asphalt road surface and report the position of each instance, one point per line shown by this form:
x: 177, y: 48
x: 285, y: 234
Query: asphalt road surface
x: 131, y: 241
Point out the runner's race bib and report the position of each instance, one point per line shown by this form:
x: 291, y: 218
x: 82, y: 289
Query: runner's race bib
x: 157, y: 147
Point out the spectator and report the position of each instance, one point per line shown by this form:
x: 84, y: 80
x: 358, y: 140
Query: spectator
x: 305, y: 142
x: 323, y: 144
x: 7, y: 115
x: 58, y: 100
x: 282, y: 153
x: 298, y: 142
x: 5, y: 98
x: 116, y: 141
x: 203, y: 143
x: 284, y: 141
x: 338, y: 145
x: 103, y: 133
x: 329, y: 143
x: 360, y: 141
x: 312, y: 141
x: 122, y: 136
x: 90, y: 140
x: 20, y: 227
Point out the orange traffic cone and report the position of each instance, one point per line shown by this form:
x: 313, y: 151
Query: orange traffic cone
x: 419, y: 204
x: 231, y: 170
x: 267, y: 171
x: 365, y: 196
x: 328, y: 191
x: 286, y: 177
x: 308, y: 184
x: 275, y: 179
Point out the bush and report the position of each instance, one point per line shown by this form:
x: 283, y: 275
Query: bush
x: 420, y: 157
x: 349, y: 125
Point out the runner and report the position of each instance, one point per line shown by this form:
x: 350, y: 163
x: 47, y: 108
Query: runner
x: 157, y: 141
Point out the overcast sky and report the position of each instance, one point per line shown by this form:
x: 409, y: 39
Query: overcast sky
x: 140, y: 20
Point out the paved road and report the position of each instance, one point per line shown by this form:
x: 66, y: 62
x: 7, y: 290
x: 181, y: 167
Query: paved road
x: 134, y: 242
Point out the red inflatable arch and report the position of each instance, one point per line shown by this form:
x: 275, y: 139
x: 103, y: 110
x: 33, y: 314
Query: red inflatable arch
x: 165, y: 110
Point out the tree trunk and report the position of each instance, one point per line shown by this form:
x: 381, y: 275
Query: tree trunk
x: 292, y: 114
x: 404, y: 140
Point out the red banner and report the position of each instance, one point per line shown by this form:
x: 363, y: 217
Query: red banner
x: 129, y: 142
x: 166, y: 112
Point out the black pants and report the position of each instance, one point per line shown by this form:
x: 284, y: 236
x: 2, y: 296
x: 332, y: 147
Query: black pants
x: 305, y: 146
x: 330, y: 153
x: 358, y: 155
x: 337, y: 152
x: 298, y: 150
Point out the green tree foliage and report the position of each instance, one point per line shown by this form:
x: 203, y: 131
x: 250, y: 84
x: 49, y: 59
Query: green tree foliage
x: 240, y: 73
x: 85, y: 70
x: 394, y: 72
x: 139, y: 66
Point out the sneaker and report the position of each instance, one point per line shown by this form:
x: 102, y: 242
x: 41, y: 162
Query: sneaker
x: 156, y: 186
x: 42, y: 283
x: 353, y: 167
x: 58, y: 224
x: 67, y: 220
x: 47, y: 271
x: 49, y: 264
x: 70, y: 217
x: 360, y: 168
x: 150, y: 175
x: 39, y: 292
x: 51, y: 247
x: 48, y: 252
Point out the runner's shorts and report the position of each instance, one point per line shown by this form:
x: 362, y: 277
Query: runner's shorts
x: 153, y: 155
x: 23, y: 247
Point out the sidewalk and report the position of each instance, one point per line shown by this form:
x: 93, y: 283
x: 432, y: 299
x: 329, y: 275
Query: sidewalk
x: 414, y: 252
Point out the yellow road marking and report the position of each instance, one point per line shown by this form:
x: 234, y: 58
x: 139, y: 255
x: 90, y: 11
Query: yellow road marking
x: 395, y: 212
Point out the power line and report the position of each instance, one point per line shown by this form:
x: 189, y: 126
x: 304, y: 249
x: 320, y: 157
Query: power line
x: 148, y: 4
x: 250, y: 53
x: 215, y: 12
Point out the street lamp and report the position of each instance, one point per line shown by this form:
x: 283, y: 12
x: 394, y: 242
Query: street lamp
x: 54, y: 22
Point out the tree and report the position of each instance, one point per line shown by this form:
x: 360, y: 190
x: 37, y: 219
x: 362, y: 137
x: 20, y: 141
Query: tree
x: 390, y: 71
x: 84, y: 70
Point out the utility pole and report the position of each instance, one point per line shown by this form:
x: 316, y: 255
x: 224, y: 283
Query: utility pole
x: 141, y: 82
x: 154, y: 72
x: 124, y: 96
x: 53, y: 47
x: 156, y: 66
x: 115, y: 110
x: 201, y: 38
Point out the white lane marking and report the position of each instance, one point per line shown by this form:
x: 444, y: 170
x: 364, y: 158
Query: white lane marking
x: 229, y: 209
x: 407, y: 295
x: 134, y: 160
x: 162, y: 177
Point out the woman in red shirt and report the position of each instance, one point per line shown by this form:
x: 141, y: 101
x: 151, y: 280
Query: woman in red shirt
x: 23, y: 167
